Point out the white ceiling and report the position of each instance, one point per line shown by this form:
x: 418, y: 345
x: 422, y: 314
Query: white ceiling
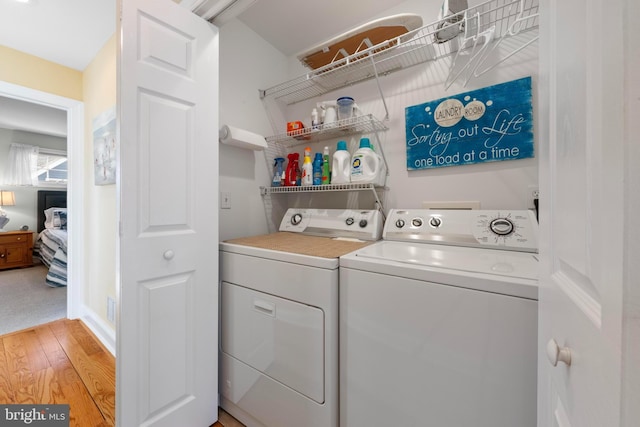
x: 71, y: 32
x: 295, y: 25
x: 25, y: 116
x: 67, y: 32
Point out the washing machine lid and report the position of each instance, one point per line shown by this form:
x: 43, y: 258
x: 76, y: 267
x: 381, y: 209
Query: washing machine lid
x: 507, y: 272
x: 471, y: 260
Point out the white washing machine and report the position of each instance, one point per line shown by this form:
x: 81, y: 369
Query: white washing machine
x: 438, y: 322
x: 279, y: 317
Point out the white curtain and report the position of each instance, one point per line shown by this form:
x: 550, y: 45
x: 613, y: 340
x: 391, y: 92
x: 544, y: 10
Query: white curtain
x: 22, y: 165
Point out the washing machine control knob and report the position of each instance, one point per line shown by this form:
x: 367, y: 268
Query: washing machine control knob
x: 416, y: 222
x: 400, y: 223
x: 435, y: 222
x: 296, y: 219
x: 501, y: 226
x: 363, y: 223
x: 350, y: 220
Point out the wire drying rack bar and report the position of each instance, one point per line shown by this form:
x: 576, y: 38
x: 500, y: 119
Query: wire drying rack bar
x: 503, y: 18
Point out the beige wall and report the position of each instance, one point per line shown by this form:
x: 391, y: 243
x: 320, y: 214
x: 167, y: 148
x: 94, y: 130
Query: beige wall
x: 23, y: 69
x: 99, y: 88
x: 96, y: 87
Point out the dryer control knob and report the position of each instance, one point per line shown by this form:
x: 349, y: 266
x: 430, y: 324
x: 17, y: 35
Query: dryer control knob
x: 350, y: 221
x: 435, y: 222
x: 400, y: 223
x: 296, y: 219
x: 416, y: 222
x: 501, y: 226
x: 363, y: 223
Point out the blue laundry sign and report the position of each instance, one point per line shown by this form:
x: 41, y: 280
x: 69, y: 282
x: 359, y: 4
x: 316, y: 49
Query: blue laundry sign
x: 486, y: 125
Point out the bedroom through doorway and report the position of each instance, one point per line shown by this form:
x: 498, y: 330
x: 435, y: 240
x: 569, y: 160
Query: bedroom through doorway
x: 75, y: 135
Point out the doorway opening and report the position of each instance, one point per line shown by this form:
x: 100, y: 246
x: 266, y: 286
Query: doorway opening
x: 75, y: 187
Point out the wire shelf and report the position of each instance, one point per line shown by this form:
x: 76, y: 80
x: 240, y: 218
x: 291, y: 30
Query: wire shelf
x: 342, y: 128
x: 319, y: 188
x: 501, y: 18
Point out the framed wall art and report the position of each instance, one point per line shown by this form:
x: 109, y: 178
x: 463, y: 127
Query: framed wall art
x: 485, y: 125
x: 105, y: 147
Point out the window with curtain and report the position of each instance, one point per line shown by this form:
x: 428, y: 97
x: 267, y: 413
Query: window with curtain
x: 22, y: 165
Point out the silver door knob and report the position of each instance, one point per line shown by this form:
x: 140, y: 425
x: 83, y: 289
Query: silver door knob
x: 555, y: 353
x: 168, y: 255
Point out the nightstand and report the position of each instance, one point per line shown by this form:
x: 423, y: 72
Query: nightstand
x: 16, y: 249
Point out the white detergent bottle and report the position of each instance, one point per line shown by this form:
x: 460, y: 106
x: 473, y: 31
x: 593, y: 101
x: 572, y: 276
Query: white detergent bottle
x: 341, y: 165
x: 365, y: 164
x: 381, y: 177
x: 307, y: 171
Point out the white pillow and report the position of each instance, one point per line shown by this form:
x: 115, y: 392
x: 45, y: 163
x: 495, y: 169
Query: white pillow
x: 51, y: 220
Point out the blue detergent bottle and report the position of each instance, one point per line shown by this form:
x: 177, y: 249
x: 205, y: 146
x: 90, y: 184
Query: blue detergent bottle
x: 317, y: 169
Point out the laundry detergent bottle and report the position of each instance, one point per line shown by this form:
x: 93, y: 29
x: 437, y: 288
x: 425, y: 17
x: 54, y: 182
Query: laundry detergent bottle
x: 341, y: 165
x: 307, y: 170
x: 366, y: 165
x: 317, y: 169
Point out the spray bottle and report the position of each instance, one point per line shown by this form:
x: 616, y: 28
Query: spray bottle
x: 278, y: 172
x: 329, y: 113
x: 291, y: 174
x: 326, y: 170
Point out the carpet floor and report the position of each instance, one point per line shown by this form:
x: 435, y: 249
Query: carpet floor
x: 26, y: 300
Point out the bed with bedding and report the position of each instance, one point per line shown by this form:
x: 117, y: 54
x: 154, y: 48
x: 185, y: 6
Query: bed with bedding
x: 51, y: 244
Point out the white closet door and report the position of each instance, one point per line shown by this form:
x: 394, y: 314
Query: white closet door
x: 167, y: 328
x: 582, y: 121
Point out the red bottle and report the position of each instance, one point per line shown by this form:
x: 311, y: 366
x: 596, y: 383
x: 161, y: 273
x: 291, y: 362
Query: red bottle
x: 293, y: 170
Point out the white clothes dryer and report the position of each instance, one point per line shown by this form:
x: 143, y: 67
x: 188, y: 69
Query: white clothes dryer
x: 438, y: 322
x: 279, y: 317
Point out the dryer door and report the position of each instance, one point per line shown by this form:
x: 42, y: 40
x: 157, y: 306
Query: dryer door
x: 281, y: 338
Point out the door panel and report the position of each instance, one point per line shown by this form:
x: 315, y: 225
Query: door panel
x: 581, y: 222
x: 284, y: 339
x: 163, y: 122
x: 167, y: 322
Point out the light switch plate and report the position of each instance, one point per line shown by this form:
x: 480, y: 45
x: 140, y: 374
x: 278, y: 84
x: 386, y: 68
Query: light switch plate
x: 225, y: 200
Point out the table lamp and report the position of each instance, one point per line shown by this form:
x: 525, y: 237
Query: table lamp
x: 7, y: 198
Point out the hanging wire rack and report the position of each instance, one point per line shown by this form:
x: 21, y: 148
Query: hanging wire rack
x: 501, y: 18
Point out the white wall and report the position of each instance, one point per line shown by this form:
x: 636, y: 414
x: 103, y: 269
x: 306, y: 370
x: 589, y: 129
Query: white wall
x: 249, y: 64
x: 25, y: 210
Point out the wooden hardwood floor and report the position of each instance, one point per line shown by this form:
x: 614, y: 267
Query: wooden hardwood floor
x: 59, y: 362
x: 63, y: 362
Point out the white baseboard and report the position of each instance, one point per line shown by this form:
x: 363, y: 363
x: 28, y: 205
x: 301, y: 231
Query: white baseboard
x: 101, y: 329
